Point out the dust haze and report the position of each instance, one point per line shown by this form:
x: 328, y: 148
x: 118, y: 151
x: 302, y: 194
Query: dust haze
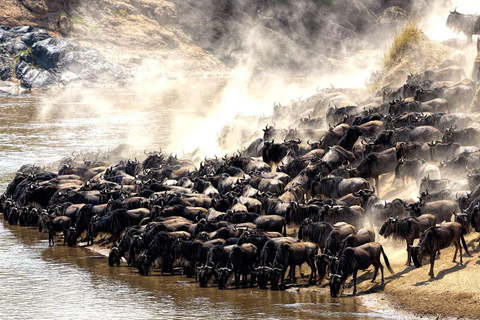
x: 266, y: 67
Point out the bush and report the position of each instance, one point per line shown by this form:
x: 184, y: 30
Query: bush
x: 402, y: 41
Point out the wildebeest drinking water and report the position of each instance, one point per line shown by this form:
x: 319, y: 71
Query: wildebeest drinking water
x: 359, y: 258
x: 437, y: 238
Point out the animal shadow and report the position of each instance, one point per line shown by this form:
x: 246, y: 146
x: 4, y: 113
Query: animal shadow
x: 442, y: 273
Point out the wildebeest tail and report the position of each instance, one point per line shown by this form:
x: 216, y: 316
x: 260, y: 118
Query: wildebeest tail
x: 465, y: 245
x: 387, y: 263
x: 284, y: 228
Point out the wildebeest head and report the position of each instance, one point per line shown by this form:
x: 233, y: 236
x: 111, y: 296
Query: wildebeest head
x: 143, y: 265
x: 224, y: 274
x: 114, y: 257
x: 418, y: 254
x: 388, y: 227
x: 71, y: 236
x: 336, y: 284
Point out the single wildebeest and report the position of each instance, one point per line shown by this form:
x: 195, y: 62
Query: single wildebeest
x: 217, y: 256
x: 359, y: 258
x: 267, y: 256
x: 115, y: 222
x: 240, y: 262
x: 161, y: 247
x: 52, y: 225
x: 376, y: 164
x: 363, y: 236
x: 442, y: 209
x: 469, y: 24
x: 316, y: 232
x: 337, y: 187
x: 437, y: 238
x: 293, y: 254
x: 466, y: 137
x: 271, y: 223
x: 416, y: 169
x: 333, y: 245
x: 116, y: 253
x: 408, y: 229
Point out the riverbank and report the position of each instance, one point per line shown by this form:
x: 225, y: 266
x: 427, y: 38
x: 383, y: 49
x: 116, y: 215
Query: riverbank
x: 410, y: 293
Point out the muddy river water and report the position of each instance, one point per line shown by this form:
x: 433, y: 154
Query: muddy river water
x: 42, y: 282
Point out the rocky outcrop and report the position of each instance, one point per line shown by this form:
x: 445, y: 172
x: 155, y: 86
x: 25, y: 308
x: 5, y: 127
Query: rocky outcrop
x: 37, y: 60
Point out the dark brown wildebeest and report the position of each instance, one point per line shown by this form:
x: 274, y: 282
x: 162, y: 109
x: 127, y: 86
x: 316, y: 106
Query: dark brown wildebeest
x: 316, y: 232
x: 359, y: 258
x: 52, y: 225
x: 333, y: 245
x: 240, y: 262
x: 437, y: 238
x: 407, y: 229
x: 363, y: 236
x: 293, y: 254
x: 267, y: 256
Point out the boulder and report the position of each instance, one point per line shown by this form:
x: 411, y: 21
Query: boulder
x: 13, y: 46
x: 6, y: 67
x: 47, y: 53
x: 166, y: 13
x: 30, y: 38
x: 36, y: 6
x: 31, y: 77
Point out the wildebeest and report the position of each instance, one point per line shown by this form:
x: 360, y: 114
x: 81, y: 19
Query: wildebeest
x: 267, y: 256
x: 359, y: 258
x: 408, y: 229
x: 336, y: 187
x: 437, y: 238
x: 416, y: 169
x: 316, y: 232
x: 469, y: 24
x: 442, y: 209
x: 240, y: 262
x: 293, y: 254
x: 52, y: 225
x: 333, y: 245
x: 116, y: 253
x: 216, y: 256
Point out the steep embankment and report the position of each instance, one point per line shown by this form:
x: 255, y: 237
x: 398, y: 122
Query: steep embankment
x: 190, y: 36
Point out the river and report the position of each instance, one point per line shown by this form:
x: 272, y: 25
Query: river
x: 42, y: 282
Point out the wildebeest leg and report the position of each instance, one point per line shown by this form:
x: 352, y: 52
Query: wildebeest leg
x: 456, y: 250
x: 377, y: 186
x: 313, y: 274
x: 355, y: 282
x: 282, y: 282
x: 409, y: 253
x: 432, y: 263
x: 237, y: 280
x: 50, y: 238
x: 460, y: 248
x: 375, y: 273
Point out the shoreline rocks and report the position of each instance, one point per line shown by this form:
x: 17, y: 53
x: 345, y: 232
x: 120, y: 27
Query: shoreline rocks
x: 37, y: 60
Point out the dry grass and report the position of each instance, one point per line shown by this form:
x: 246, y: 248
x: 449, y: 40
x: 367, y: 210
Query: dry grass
x: 406, y: 39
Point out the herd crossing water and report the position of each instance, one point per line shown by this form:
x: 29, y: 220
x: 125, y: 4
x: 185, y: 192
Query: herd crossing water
x: 59, y: 282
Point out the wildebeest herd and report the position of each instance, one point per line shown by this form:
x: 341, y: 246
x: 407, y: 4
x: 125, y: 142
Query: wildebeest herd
x: 226, y: 221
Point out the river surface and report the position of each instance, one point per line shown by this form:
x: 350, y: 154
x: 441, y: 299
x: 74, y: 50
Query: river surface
x: 42, y: 282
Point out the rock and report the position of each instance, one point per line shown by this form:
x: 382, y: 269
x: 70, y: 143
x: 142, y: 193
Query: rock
x: 19, y: 30
x: 13, y: 46
x: 31, y: 38
x: 31, y: 77
x: 56, y: 5
x: 47, y: 53
x: 37, y: 6
x: 65, y: 25
x: 6, y: 67
x: 5, y: 35
x: 125, y: 7
x: 166, y: 13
